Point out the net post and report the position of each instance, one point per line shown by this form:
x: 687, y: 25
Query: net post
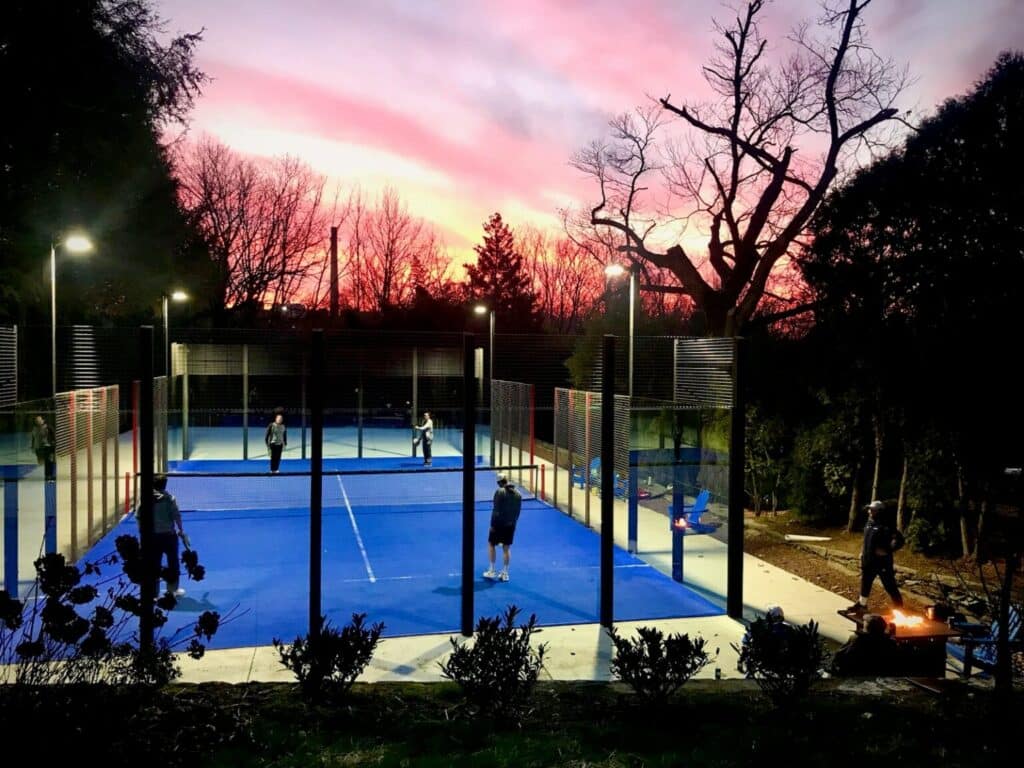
x: 73, y: 474
x: 468, y: 482
x: 737, y: 452
x: 90, y: 409
x: 316, y: 465
x: 533, y: 407
x: 607, y: 480
x: 135, y: 439
x: 150, y: 581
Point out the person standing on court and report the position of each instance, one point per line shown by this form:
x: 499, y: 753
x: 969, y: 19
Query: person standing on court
x: 276, y: 440
x: 42, y: 446
x: 504, y: 517
x: 166, y: 528
x: 876, y: 557
x: 426, y: 430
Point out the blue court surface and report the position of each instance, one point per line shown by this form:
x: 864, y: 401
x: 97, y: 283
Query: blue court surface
x: 391, y: 549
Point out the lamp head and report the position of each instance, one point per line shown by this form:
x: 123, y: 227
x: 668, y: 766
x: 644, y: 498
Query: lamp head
x: 78, y: 243
x: 614, y: 270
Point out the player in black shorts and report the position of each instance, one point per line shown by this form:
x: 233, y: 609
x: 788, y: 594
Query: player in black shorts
x: 507, y: 505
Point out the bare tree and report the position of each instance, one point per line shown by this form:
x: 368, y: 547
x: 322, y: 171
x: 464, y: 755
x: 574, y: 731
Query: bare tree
x: 566, y: 278
x: 738, y: 175
x: 264, y: 222
x: 390, y: 253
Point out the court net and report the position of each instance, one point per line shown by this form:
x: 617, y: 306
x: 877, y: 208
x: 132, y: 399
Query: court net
x: 365, y: 491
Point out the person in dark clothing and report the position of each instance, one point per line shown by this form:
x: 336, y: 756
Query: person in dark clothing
x: 876, y: 557
x: 166, y: 527
x: 42, y: 446
x: 426, y: 430
x: 276, y: 440
x: 507, y: 505
x: 869, y: 653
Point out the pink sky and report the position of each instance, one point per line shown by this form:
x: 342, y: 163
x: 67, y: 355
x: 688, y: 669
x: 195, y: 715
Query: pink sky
x: 469, y: 107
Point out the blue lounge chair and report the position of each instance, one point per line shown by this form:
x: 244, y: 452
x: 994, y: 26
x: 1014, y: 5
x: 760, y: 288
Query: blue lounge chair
x: 977, y: 647
x: 579, y: 474
x: 693, y: 517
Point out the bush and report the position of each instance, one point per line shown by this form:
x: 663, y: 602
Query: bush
x: 785, y: 660
x: 655, y: 666
x: 498, y: 670
x: 71, y: 633
x: 330, y: 663
x: 925, y: 537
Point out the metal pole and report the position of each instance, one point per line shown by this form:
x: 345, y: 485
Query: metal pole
x: 737, y: 450
x: 245, y: 401
x: 334, y: 273
x: 316, y: 404
x: 53, y: 321
x: 490, y: 384
x: 415, y: 391
x: 167, y: 341
x: 634, y: 306
x: 184, y: 402
x: 150, y: 581
x: 468, y: 483
x: 607, y: 481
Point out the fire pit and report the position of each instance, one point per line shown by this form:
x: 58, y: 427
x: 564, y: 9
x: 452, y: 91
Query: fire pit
x: 921, y: 641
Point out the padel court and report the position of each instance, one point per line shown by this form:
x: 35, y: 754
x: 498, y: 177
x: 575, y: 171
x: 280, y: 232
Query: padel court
x: 392, y: 537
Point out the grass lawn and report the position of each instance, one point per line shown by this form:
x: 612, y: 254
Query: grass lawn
x: 582, y: 724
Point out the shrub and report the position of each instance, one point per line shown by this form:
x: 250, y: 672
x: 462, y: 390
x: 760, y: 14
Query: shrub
x: 68, y: 632
x: 785, y: 660
x: 924, y: 536
x: 330, y: 663
x: 655, y: 666
x: 498, y: 670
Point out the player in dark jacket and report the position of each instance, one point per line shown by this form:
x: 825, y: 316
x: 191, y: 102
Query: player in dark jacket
x: 880, y: 542
x: 507, y: 505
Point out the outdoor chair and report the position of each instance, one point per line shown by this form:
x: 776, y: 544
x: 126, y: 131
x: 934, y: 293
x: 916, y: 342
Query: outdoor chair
x: 694, y: 516
x: 978, y: 645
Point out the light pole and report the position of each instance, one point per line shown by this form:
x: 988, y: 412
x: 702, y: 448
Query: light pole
x: 617, y: 270
x: 482, y: 309
x: 75, y: 243
x: 175, y: 296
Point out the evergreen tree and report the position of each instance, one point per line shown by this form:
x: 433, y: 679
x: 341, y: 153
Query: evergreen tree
x: 499, y: 279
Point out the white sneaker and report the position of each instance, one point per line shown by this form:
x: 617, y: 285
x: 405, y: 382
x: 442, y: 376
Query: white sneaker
x: 504, y: 576
x: 179, y: 592
x: 490, y: 574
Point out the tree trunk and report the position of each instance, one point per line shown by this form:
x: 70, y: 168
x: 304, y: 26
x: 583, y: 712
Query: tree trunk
x: 877, y: 425
x: 901, y: 501
x: 755, y: 496
x: 965, y: 538
x: 961, y: 505
x: 851, y: 524
x: 980, y: 529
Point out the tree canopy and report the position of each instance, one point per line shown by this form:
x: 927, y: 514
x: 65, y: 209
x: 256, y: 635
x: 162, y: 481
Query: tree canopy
x: 90, y: 88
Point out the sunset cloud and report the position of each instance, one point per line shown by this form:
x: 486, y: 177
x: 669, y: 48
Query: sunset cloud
x: 470, y: 107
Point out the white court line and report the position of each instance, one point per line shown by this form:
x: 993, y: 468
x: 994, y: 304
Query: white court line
x: 355, y: 529
x: 458, y: 573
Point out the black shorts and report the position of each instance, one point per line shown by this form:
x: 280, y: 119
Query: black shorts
x: 501, y: 534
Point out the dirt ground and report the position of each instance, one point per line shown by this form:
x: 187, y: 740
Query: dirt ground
x: 834, y: 566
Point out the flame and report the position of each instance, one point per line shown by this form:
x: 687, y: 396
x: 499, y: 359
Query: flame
x: 901, y: 619
x: 681, y: 523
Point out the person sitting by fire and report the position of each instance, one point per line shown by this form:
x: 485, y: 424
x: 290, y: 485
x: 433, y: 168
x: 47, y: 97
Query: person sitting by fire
x: 870, y: 653
x: 876, y: 558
